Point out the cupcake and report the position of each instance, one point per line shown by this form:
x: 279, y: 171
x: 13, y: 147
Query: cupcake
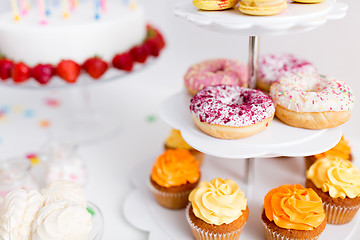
x: 217, y: 210
x: 176, y: 141
x: 174, y: 175
x: 341, y: 150
x: 293, y: 212
x: 337, y: 182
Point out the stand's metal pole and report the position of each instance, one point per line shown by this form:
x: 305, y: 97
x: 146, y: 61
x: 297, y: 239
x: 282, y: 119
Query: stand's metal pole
x: 253, y: 65
x: 253, y: 60
x: 250, y: 176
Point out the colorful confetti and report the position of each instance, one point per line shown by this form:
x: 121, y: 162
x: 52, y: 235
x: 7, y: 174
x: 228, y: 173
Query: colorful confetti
x: 17, y: 108
x: 52, y: 102
x: 34, y: 159
x: 44, y: 123
x: 5, y: 109
x: 151, y: 118
x: 28, y: 113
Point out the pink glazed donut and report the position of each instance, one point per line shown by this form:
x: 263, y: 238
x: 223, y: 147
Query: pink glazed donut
x: 231, y: 112
x: 273, y: 66
x: 214, y: 72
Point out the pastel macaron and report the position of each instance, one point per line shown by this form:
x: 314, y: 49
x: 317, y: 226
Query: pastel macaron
x: 214, y: 4
x: 308, y: 1
x: 262, y: 7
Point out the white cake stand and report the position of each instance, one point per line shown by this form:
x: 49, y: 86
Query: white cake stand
x: 277, y: 140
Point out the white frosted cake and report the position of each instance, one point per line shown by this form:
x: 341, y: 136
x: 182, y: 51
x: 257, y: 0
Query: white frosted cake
x: 52, y: 39
x: 76, y: 37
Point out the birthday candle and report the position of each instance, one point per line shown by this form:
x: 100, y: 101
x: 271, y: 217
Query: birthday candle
x: 23, y: 7
x: 97, y: 9
x: 41, y: 7
x: 15, y: 9
x: 103, y: 5
x: 65, y: 4
x: 132, y: 4
x: 47, y: 7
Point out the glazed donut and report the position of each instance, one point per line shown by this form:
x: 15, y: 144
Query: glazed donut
x: 231, y: 112
x: 215, y: 72
x: 272, y: 66
x: 214, y: 4
x: 312, y: 101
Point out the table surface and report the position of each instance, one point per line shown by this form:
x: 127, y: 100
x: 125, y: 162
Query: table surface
x: 333, y: 48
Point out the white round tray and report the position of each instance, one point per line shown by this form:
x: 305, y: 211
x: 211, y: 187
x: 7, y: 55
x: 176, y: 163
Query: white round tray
x: 142, y: 211
x: 277, y: 140
x: 296, y: 18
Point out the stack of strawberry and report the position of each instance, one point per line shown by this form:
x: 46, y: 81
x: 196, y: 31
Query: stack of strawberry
x: 70, y: 70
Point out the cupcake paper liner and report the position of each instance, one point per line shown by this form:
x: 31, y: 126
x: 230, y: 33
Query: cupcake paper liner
x: 271, y: 235
x: 201, y: 234
x: 338, y: 214
x: 170, y: 200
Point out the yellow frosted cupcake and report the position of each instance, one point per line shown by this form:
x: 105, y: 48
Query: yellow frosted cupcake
x: 174, y: 174
x: 337, y: 182
x: 341, y: 150
x: 176, y: 141
x: 293, y: 212
x: 217, y: 210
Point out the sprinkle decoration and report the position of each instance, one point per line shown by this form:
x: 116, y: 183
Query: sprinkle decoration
x: 91, y: 211
x: 28, y: 113
x: 151, y: 118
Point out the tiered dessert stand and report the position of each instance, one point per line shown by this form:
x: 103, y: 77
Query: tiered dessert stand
x: 277, y: 140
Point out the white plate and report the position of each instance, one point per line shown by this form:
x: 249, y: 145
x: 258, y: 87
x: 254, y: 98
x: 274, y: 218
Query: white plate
x: 142, y: 210
x: 296, y: 18
x: 277, y: 140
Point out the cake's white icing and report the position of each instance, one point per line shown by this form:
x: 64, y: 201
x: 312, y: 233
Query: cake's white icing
x: 77, y: 37
x: 312, y: 93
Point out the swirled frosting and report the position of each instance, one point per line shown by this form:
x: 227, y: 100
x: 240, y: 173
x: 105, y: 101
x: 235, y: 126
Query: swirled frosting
x: 61, y: 220
x: 312, y: 93
x: 17, y: 213
x: 218, y: 201
x: 231, y: 106
x: 175, y: 140
x: 341, y: 150
x: 294, y: 207
x: 337, y: 176
x: 175, y: 168
x: 64, y: 190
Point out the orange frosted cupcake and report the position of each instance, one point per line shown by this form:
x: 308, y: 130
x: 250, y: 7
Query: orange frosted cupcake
x: 341, y: 150
x: 337, y: 182
x: 217, y: 210
x: 176, y: 141
x: 173, y: 176
x: 293, y: 212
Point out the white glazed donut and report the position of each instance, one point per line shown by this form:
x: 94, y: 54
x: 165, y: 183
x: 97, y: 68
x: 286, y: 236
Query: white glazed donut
x: 231, y: 112
x: 272, y: 66
x: 312, y: 101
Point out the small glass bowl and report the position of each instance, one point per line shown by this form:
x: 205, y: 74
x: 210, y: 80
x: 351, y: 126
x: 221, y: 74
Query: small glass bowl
x: 97, y: 231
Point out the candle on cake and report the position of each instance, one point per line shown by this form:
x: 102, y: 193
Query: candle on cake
x: 15, y: 9
x: 41, y: 6
x: 65, y: 6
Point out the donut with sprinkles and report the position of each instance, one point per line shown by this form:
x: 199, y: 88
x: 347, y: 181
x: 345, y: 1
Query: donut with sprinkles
x: 231, y: 112
x: 312, y: 101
